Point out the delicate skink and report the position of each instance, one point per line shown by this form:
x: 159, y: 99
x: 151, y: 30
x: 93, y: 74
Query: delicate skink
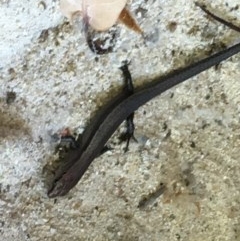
x: 84, y: 156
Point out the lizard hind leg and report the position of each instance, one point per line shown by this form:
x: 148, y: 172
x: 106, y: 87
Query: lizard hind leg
x: 130, y: 127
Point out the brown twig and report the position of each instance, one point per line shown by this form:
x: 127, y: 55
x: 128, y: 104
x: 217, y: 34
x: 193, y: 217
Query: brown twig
x: 221, y: 20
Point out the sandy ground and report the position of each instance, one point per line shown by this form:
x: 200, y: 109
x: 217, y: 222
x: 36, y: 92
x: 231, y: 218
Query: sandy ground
x: 188, y: 138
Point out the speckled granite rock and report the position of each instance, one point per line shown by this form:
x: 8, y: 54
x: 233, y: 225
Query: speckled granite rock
x: 181, y: 181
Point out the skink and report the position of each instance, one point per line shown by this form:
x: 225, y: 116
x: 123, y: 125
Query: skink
x: 120, y: 111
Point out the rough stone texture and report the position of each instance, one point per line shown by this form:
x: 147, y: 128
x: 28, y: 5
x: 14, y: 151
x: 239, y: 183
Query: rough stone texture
x: 188, y: 138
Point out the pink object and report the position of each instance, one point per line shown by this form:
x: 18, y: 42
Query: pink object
x: 99, y: 14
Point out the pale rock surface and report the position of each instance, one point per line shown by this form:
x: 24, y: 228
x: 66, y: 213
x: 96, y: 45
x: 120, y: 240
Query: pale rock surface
x: 188, y: 138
